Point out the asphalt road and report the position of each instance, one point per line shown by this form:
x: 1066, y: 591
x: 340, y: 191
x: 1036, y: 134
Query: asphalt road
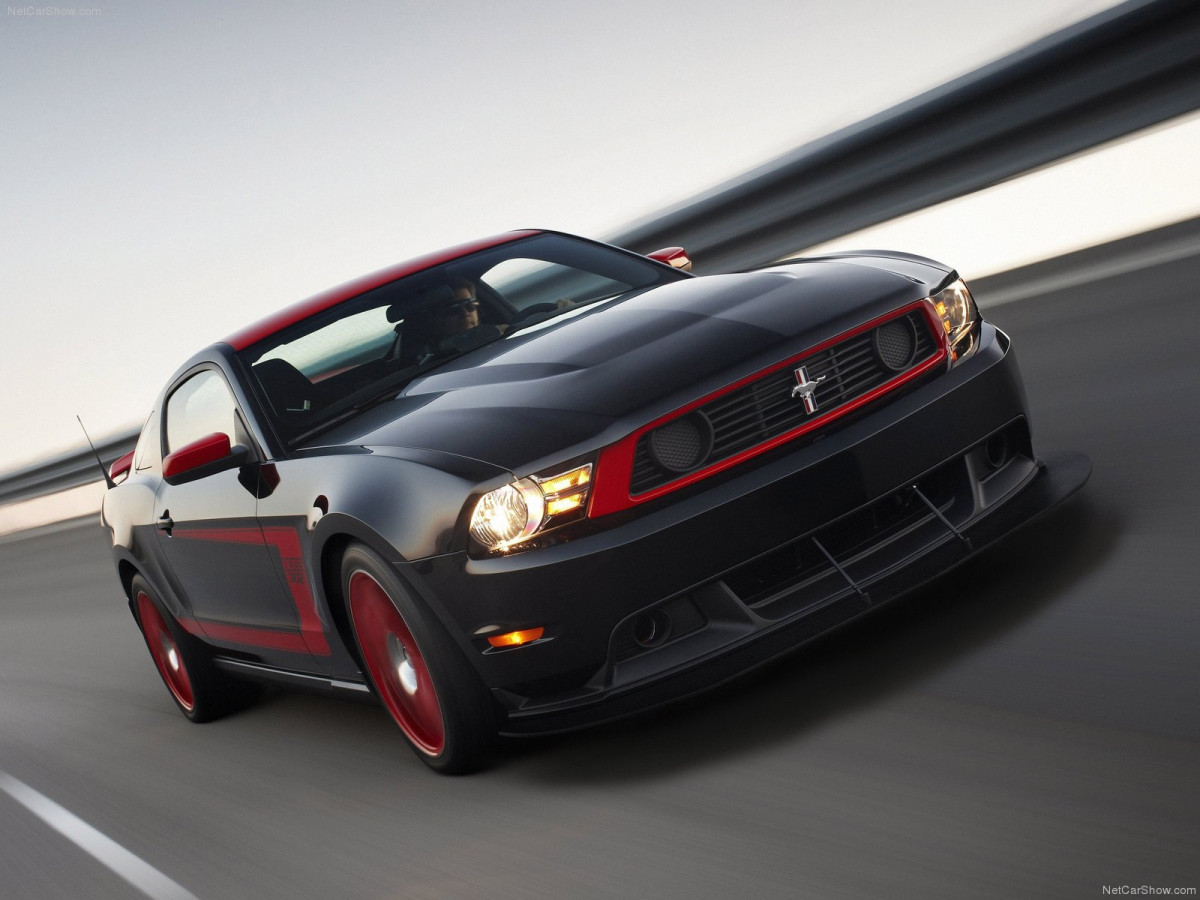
x: 1028, y: 727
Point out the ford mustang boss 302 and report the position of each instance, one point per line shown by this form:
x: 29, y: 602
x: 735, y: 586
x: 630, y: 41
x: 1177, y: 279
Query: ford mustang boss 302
x: 538, y: 482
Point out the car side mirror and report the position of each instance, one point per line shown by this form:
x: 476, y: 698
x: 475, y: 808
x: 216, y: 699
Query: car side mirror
x: 120, y: 468
x: 203, y: 457
x: 676, y: 257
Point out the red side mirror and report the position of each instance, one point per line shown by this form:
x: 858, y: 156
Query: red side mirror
x: 676, y: 257
x: 204, y: 456
x: 119, y: 470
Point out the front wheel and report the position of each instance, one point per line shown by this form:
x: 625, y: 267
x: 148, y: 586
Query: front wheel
x: 418, y: 673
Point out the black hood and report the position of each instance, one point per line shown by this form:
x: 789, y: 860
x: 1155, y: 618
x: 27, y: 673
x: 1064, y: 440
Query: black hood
x: 589, y: 377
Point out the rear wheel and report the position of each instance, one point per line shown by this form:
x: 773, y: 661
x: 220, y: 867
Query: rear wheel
x: 415, y: 669
x: 197, y: 688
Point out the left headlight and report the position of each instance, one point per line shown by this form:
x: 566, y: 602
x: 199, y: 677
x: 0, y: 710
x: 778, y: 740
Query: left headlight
x: 512, y: 514
x: 960, y: 317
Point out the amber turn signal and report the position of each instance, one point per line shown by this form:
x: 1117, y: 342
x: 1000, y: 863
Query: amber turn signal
x: 516, y: 638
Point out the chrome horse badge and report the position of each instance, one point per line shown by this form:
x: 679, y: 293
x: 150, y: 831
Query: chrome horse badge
x: 806, y: 390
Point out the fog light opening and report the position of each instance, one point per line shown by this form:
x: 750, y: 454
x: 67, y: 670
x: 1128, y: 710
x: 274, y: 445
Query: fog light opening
x: 652, y: 628
x: 997, y: 450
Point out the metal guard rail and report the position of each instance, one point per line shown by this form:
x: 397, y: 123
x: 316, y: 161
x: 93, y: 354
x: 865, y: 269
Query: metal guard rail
x: 1129, y: 67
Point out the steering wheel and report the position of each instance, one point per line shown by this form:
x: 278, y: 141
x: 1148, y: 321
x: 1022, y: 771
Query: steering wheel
x: 535, y: 310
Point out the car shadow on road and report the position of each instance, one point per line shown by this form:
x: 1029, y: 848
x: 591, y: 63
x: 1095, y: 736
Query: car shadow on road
x: 860, y: 665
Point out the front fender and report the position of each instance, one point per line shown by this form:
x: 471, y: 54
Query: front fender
x: 406, y: 504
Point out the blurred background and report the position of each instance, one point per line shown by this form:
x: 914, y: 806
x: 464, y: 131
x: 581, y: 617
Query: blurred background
x: 1028, y: 727
x: 178, y: 170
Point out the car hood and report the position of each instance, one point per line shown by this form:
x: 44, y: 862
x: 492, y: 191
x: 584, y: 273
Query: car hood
x: 587, y: 378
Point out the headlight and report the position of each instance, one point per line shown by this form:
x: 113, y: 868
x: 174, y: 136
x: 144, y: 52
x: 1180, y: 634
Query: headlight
x: 960, y: 317
x: 513, y: 514
x: 508, y: 515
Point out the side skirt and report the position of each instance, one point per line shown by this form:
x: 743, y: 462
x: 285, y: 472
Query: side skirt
x: 319, y: 683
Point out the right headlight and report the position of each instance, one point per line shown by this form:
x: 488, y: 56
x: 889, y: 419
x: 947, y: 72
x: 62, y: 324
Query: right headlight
x: 508, y: 515
x: 513, y: 514
x: 960, y: 317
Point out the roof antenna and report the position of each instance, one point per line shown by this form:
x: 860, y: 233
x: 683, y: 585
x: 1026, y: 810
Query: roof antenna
x: 103, y: 471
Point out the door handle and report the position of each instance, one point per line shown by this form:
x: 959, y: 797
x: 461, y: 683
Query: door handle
x: 165, y: 522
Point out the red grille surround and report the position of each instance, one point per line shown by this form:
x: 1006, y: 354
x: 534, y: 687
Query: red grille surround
x: 614, y: 470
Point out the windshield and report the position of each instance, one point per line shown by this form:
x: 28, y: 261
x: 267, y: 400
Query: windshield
x: 325, y: 369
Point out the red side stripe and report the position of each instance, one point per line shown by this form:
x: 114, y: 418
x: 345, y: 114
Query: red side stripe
x: 263, y: 638
x: 286, y: 542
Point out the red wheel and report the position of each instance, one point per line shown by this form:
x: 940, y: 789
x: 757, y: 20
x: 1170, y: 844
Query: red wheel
x: 199, y: 690
x: 165, y: 652
x: 396, y: 664
x: 417, y: 672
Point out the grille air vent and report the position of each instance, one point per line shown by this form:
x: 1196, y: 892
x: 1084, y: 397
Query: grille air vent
x: 766, y: 408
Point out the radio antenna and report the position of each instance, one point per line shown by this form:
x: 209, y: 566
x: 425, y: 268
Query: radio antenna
x: 103, y: 471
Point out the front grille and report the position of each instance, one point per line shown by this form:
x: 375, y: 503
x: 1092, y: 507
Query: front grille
x: 766, y: 408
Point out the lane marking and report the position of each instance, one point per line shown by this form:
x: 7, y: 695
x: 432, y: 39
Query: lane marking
x: 104, y: 849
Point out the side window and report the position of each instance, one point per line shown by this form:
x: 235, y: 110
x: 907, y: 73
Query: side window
x: 200, y: 406
x: 147, y: 456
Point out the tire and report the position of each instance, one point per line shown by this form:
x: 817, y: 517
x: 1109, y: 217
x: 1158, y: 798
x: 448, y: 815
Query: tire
x: 416, y: 671
x: 198, y: 689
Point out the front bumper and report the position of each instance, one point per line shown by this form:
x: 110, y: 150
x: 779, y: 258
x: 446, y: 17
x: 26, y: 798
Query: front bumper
x: 744, y: 569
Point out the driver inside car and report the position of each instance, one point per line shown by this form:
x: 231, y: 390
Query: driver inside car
x: 446, y: 323
x: 459, y: 314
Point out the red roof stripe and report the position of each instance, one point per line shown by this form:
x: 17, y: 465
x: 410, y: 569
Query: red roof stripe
x: 332, y: 297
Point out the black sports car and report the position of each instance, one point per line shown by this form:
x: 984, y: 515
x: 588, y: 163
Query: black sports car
x: 538, y: 482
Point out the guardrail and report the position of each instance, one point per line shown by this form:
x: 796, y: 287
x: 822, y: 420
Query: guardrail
x: 1127, y: 68
x: 1124, y: 69
x: 66, y: 470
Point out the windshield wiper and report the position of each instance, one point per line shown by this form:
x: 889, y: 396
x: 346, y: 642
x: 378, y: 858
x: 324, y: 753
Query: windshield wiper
x: 371, y: 395
x: 374, y: 394
x: 344, y: 416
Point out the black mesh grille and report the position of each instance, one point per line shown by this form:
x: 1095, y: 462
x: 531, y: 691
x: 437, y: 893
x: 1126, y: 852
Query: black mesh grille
x: 896, y: 343
x: 766, y: 408
x: 681, y: 445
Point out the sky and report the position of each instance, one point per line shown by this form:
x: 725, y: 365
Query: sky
x: 174, y: 171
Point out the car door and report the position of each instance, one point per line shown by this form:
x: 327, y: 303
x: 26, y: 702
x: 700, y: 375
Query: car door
x: 229, y: 572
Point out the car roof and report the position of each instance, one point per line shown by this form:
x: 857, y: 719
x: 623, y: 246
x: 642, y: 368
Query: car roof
x: 290, y: 315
